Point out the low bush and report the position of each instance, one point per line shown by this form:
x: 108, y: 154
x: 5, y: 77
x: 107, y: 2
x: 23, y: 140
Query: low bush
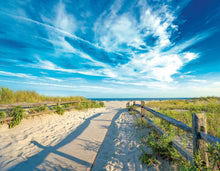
x: 66, y: 105
x: 38, y: 109
x: 87, y: 105
x: 2, y: 114
x: 140, y: 123
x: 101, y: 104
x: 17, y: 114
x: 59, y: 110
x: 43, y: 108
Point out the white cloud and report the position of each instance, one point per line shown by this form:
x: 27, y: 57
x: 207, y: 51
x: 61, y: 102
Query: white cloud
x: 190, y: 56
x: 199, y: 81
x: 48, y: 65
x: 64, y: 20
x: 64, y: 86
x: 152, y: 22
x: 216, y: 83
x: 53, y: 79
x: 121, y: 31
x: 20, y: 75
x: 114, y: 30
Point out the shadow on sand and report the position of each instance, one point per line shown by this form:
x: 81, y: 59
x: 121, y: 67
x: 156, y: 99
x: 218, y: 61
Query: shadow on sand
x: 36, y: 160
x: 105, y: 143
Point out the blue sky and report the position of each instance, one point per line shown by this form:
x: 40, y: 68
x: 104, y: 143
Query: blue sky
x: 111, y: 48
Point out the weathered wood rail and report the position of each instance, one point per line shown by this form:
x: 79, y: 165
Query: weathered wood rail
x: 198, y: 131
x: 5, y: 107
x: 28, y: 105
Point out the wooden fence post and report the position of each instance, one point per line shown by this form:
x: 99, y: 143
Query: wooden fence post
x: 58, y: 102
x: 143, y: 111
x: 134, y: 106
x: 199, y: 125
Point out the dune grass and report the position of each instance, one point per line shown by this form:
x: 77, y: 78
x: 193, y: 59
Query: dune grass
x: 8, y: 96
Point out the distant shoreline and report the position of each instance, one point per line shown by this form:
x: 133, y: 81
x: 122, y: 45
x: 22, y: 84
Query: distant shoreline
x: 137, y: 99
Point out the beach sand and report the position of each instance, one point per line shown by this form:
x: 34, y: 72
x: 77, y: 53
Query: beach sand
x: 48, y: 130
x: 104, y: 138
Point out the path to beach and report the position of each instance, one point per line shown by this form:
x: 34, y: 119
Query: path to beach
x: 73, y: 141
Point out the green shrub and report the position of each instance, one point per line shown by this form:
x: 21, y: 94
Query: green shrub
x: 38, y: 109
x: 33, y: 110
x: 214, y: 155
x: 43, y: 108
x: 87, y: 105
x: 148, y: 159
x: 130, y: 108
x: 101, y: 104
x: 80, y: 106
x: 2, y: 114
x: 60, y: 110
x: 17, y: 114
x: 140, y: 123
x: 94, y: 104
x: 66, y: 105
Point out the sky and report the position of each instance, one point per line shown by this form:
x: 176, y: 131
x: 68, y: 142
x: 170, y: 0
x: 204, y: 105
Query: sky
x: 111, y: 48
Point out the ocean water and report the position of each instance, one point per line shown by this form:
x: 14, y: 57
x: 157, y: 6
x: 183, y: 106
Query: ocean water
x: 136, y: 99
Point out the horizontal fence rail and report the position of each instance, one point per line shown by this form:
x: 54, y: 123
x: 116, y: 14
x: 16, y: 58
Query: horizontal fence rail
x: 195, y: 130
x: 28, y: 105
x: 209, y: 138
x: 168, y: 119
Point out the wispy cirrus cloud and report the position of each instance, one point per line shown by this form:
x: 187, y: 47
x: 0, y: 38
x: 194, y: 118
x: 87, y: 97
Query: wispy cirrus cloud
x: 20, y: 75
x: 64, y: 86
x: 53, y: 79
x: 48, y: 65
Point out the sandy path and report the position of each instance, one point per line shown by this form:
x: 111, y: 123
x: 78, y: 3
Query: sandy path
x: 53, y: 142
x: 120, y: 149
x: 24, y: 141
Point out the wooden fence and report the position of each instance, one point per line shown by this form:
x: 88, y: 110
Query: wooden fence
x: 6, y: 107
x: 198, y: 131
